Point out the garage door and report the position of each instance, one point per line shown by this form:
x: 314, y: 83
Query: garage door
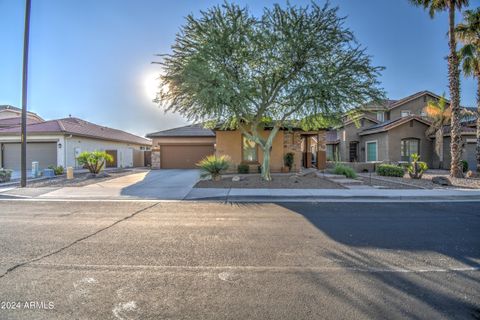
x: 183, y: 156
x: 43, y: 152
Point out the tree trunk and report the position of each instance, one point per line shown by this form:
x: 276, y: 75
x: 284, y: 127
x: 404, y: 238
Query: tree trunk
x: 478, y: 122
x: 453, y: 73
x: 266, y: 164
x: 439, y: 147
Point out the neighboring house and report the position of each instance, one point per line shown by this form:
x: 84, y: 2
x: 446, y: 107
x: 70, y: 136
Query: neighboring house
x: 183, y: 147
x: 389, y: 132
x: 59, y: 142
x: 11, y: 116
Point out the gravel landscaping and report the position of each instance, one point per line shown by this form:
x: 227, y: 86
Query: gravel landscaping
x: 424, y: 183
x: 79, y: 180
x: 283, y: 181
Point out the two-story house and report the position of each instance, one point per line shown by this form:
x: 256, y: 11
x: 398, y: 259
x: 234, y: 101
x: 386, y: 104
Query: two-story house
x: 386, y: 132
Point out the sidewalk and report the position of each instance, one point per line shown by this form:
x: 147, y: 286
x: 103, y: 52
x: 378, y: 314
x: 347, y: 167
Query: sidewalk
x: 322, y: 194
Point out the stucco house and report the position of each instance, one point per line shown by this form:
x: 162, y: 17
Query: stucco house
x: 183, y: 147
x: 58, y: 142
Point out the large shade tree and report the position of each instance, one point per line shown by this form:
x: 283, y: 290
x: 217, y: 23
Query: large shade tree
x: 434, y: 6
x: 290, y: 65
x: 469, y: 34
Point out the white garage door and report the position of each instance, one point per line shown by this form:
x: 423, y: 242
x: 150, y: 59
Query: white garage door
x: 43, y: 152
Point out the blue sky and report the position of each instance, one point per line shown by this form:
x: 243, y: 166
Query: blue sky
x: 91, y: 58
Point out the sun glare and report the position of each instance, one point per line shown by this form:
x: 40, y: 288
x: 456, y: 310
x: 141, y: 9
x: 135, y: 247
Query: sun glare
x: 151, y: 86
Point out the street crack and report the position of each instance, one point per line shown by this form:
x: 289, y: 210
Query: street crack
x: 19, y: 265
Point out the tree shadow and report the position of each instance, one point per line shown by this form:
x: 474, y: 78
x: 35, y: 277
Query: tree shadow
x: 378, y: 239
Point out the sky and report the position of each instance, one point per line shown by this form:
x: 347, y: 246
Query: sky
x: 92, y: 59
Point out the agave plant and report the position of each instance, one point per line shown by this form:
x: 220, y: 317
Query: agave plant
x: 213, y: 166
x: 417, y: 167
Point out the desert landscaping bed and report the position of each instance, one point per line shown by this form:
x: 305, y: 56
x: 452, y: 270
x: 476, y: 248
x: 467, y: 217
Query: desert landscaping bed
x: 254, y: 181
x: 80, y: 179
x: 385, y: 183
x: 424, y: 183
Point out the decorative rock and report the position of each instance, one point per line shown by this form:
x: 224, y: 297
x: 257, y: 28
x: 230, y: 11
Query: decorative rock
x: 443, y: 181
x: 236, y: 179
x: 472, y: 174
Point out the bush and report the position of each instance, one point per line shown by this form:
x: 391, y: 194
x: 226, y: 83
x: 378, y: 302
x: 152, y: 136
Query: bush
x: 464, y: 166
x: 57, y: 170
x: 390, y: 170
x: 94, y: 161
x: 288, y: 159
x: 213, y: 166
x: 5, y: 175
x: 243, y: 168
x: 344, y: 170
x: 417, y: 167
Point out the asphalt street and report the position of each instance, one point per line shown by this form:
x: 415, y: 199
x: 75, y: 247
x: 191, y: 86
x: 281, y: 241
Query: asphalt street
x: 206, y: 260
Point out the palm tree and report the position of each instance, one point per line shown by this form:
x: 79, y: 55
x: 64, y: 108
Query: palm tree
x: 433, y: 7
x: 469, y: 34
x: 439, y: 114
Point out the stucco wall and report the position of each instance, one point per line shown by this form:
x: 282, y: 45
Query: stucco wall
x: 183, y: 140
x: 417, y: 130
x: 230, y: 143
x: 348, y: 134
x: 382, y: 146
x: 415, y: 106
x: 467, y: 149
x: 74, y: 145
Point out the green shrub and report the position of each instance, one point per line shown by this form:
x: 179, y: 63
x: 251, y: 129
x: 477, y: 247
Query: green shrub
x: 464, y: 166
x: 243, y: 168
x: 288, y: 159
x: 5, y: 175
x: 345, y: 170
x: 417, y: 167
x: 57, y: 170
x: 213, y: 166
x: 94, y: 161
x: 390, y: 170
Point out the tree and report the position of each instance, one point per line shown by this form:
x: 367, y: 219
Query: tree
x: 94, y: 161
x: 292, y: 65
x: 469, y: 34
x: 433, y: 7
x: 439, y: 114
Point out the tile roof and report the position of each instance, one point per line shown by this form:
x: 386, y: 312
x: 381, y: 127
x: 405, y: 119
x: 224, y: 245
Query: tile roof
x: 78, y: 127
x: 9, y: 107
x: 387, y: 125
x: 193, y: 130
x: 16, y: 121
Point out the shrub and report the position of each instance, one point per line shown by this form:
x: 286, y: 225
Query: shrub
x: 390, y: 170
x: 288, y: 159
x: 243, y: 168
x: 416, y: 168
x: 94, y: 161
x: 213, y: 166
x: 464, y: 166
x: 5, y: 175
x: 345, y: 170
x: 57, y: 170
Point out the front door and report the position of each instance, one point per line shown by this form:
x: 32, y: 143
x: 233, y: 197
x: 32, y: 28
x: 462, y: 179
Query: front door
x: 353, y: 151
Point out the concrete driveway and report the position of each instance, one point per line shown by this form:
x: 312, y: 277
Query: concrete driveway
x: 173, y: 184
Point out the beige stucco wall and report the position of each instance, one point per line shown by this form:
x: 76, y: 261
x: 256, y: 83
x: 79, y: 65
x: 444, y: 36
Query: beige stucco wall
x: 350, y: 133
x: 230, y: 143
x: 183, y: 140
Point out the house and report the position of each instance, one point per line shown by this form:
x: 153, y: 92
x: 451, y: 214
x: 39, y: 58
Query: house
x: 183, y: 147
x: 11, y: 116
x: 387, y: 132
x: 59, y: 142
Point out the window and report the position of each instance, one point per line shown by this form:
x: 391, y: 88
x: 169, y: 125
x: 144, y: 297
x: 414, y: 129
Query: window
x: 380, y: 116
x: 332, y: 152
x: 249, y: 150
x: 371, y: 147
x: 405, y: 113
x: 409, y: 147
